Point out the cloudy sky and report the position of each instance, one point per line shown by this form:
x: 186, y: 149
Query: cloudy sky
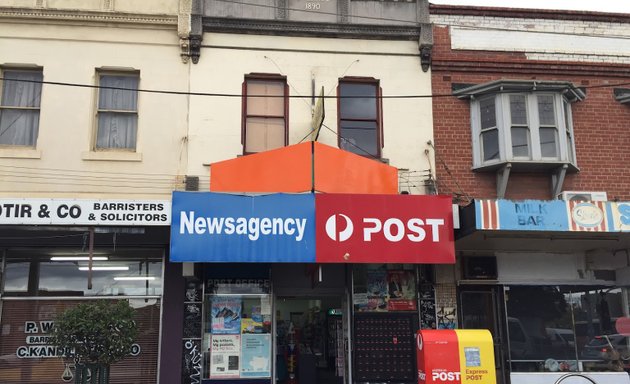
x: 619, y: 6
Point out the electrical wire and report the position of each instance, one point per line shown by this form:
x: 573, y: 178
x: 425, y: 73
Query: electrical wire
x: 448, y: 171
x: 90, y: 172
x: 238, y: 95
x: 95, y: 179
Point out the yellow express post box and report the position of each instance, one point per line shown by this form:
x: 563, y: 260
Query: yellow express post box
x: 460, y: 356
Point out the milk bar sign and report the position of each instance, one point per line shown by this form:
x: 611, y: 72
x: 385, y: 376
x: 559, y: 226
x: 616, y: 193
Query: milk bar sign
x: 84, y: 212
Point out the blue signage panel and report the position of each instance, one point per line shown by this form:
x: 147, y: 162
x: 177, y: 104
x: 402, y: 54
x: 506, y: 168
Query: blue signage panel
x: 533, y: 215
x: 526, y: 215
x: 554, y: 215
x: 216, y: 227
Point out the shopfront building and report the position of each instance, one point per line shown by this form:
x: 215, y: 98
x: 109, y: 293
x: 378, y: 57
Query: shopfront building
x: 46, y: 249
x: 549, y: 279
x: 306, y: 287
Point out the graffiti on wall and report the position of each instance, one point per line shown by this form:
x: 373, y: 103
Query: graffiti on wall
x: 191, y: 362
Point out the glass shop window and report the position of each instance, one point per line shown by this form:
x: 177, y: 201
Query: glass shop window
x: 384, y: 288
x: 65, y: 273
x: 237, y: 329
x: 567, y: 329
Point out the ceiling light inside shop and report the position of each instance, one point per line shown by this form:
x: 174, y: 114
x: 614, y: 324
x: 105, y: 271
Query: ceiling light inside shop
x: 106, y: 268
x: 143, y: 278
x: 78, y: 258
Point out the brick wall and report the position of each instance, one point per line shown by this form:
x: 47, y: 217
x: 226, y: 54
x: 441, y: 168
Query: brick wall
x: 601, y: 124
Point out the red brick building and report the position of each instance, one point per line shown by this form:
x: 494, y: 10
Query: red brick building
x: 530, y: 107
x: 600, y: 121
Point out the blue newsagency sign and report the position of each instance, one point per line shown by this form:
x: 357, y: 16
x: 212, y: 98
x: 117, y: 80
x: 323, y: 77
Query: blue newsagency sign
x: 216, y: 227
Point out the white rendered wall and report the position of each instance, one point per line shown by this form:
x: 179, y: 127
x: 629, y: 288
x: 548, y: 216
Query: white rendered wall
x: 552, y: 268
x: 215, y: 122
x: 541, y: 39
x: 63, y: 164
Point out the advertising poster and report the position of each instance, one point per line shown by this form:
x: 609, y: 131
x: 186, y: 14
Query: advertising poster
x: 255, y: 356
x: 251, y: 326
x: 401, y: 291
x: 376, y: 290
x: 225, y: 315
x: 360, y: 301
x: 224, y: 356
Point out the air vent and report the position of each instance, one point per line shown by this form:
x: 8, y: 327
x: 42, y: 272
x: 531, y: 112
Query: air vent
x: 192, y: 183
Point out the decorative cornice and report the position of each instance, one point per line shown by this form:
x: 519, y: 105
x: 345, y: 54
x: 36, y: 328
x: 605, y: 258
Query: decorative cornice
x: 426, y: 46
x: 73, y: 16
x: 292, y: 28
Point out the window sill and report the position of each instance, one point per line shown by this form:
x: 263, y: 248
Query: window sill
x: 111, y: 156
x: 20, y: 153
x: 527, y: 166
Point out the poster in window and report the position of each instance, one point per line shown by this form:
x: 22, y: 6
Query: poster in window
x: 224, y: 356
x: 255, y: 355
x: 225, y: 314
x: 376, y: 290
x: 401, y: 291
x: 251, y: 326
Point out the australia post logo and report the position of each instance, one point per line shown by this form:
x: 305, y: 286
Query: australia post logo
x: 392, y: 229
x: 384, y: 228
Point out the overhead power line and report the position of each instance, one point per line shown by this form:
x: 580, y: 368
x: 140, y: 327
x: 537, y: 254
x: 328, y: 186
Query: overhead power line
x: 239, y: 95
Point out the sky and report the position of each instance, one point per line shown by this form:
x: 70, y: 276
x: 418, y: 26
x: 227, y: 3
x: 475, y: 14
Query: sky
x: 617, y: 6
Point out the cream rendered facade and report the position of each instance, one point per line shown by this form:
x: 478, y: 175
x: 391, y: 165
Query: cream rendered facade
x: 70, y: 41
x: 179, y: 135
x: 310, y: 63
x: 74, y: 44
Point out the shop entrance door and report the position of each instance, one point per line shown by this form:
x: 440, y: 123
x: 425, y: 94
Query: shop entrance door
x: 310, y: 346
x: 481, y: 307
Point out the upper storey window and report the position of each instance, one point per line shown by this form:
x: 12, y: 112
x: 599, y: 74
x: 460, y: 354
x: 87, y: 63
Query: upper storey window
x: 265, y: 113
x: 19, y: 106
x: 117, y: 112
x: 522, y: 122
x: 360, y: 116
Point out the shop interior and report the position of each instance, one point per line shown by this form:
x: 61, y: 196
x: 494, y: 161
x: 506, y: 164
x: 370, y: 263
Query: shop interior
x: 309, y: 341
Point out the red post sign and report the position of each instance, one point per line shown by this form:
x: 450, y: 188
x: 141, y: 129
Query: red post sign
x: 384, y: 229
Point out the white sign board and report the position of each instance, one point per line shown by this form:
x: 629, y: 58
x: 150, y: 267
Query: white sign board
x: 84, y: 212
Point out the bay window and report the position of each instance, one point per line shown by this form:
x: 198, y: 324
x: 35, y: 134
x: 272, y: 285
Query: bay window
x: 522, y: 122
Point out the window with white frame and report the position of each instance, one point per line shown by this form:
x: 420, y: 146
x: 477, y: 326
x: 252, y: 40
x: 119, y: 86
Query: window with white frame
x: 265, y: 112
x: 19, y: 106
x: 117, y: 110
x: 522, y: 122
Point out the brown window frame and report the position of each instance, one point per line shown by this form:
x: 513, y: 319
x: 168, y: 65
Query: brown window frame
x: 245, y: 116
x: 378, y: 120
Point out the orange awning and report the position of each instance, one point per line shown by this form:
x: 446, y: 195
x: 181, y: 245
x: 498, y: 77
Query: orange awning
x: 304, y: 167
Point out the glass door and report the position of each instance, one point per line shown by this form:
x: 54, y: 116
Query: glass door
x: 310, y: 342
x: 480, y: 309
